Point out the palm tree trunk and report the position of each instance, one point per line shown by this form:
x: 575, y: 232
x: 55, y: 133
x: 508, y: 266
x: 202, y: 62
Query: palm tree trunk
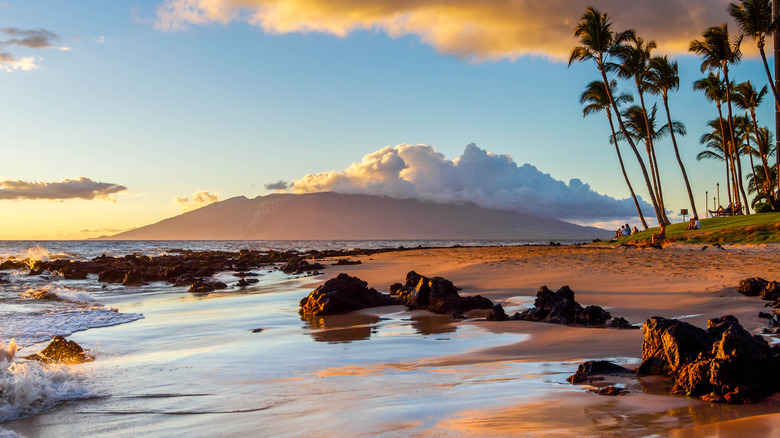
x: 625, y: 175
x: 764, y: 162
x: 738, y: 182
x: 769, y: 76
x: 726, y: 153
x: 651, y: 155
x: 677, y: 154
x: 752, y: 165
x: 630, y: 142
x: 738, y: 158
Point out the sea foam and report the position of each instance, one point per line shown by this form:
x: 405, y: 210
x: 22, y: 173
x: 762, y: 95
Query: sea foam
x: 29, y: 388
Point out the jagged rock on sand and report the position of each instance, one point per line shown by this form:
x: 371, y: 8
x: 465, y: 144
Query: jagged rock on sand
x: 203, y: 286
x: 724, y: 363
x: 300, y: 266
x: 592, y: 369
x: 436, y: 294
x: 560, y: 308
x: 343, y: 294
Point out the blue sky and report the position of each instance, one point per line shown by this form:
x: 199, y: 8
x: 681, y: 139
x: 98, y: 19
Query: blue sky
x: 226, y: 108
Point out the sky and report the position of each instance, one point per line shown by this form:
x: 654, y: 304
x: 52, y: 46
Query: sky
x: 115, y: 115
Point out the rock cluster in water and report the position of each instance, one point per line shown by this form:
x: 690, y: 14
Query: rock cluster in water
x: 61, y: 351
x: 768, y: 291
x: 343, y: 294
x: 559, y: 307
x: 724, y: 363
x: 436, y: 294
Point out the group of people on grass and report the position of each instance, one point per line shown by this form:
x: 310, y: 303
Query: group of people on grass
x: 693, y: 224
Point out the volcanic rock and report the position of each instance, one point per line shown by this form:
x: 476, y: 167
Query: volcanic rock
x: 61, y: 351
x: 203, y: 286
x: 752, y: 287
x: 497, y: 313
x: 588, y: 370
x: 560, y: 308
x: 436, y: 294
x: 343, y: 294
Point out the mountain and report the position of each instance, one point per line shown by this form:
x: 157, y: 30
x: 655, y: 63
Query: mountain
x: 333, y: 216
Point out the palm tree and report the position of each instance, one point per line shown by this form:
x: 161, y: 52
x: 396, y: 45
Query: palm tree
x: 747, y: 98
x: 633, y: 54
x: 718, y: 52
x: 716, y: 148
x: 597, y: 100
x: 763, y: 184
x: 744, y: 129
x: 662, y: 77
x: 715, y: 91
x: 766, y: 147
x: 755, y: 19
x: 597, y: 39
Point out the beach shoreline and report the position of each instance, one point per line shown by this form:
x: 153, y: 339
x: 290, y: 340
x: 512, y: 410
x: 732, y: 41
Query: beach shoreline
x: 679, y: 281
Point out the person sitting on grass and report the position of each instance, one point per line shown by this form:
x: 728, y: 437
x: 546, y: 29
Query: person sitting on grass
x: 661, y: 235
x: 694, y: 224
x: 636, y: 231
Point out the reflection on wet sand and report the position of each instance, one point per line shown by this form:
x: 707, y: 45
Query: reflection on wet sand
x: 358, y: 326
x: 340, y: 328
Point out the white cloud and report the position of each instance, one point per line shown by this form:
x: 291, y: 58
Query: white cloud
x: 478, y: 176
x: 198, y: 200
x: 79, y: 188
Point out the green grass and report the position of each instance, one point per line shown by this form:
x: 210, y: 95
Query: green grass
x: 754, y: 228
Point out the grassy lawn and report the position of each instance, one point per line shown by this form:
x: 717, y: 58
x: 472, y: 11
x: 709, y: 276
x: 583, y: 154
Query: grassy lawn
x: 754, y: 228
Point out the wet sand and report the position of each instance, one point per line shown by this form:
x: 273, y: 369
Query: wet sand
x: 193, y: 367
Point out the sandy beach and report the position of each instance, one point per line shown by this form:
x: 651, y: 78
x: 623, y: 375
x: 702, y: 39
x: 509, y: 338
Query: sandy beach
x: 192, y: 366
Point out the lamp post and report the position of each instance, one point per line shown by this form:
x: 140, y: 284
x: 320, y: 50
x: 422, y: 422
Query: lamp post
x: 706, y: 204
x: 717, y: 186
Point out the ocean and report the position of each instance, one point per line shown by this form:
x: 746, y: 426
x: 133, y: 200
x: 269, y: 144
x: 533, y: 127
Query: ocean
x: 238, y: 362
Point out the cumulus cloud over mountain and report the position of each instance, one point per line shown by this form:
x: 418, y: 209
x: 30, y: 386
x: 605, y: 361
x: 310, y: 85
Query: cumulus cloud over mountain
x: 79, y: 188
x: 198, y: 200
x: 482, y: 29
x: 478, y: 176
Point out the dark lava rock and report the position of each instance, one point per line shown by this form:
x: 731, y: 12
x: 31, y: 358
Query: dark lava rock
x: 752, y: 287
x: 111, y: 276
x: 560, y: 308
x: 344, y: 262
x: 438, y: 295
x: 771, y: 292
x: 497, y: 313
x: 61, y: 351
x: 184, y: 280
x: 246, y: 274
x: 588, y: 370
x: 610, y: 391
x: 343, y: 294
x: 724, y: 363
x: 765, y: 315
x: 203, y: 286
x: 300, y: 266
x: 133, y: 278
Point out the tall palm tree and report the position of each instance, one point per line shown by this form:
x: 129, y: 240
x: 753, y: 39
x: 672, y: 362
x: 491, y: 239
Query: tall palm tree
x: 633, y: 54
x: 717, y: 148
x: 744, y: 129
x: 662, y: 77
x: 594, y: 31
x: 715, y: 91
x: 747, y: 98
x: 755, y: 19
x: 718, y: 52
x: 597, y: 100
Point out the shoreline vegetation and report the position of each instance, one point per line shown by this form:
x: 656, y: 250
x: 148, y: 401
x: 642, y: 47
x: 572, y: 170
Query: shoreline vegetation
x: 742, y: 229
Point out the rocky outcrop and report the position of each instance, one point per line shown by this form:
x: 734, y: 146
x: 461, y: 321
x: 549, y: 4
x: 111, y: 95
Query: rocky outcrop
x: 346, y: 262
x: 300, y: 266
x: 436, y: 294
x: 594, y: 369
x: 62, y: 352
x: 724, y: 363
x: 560, y: 308
x: 757, y: 286
x: 202, y: 286
x: 497, y: 313
x: 343, y: 294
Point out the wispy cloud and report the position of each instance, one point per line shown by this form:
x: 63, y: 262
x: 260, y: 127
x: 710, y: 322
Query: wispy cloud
x: 36, y: 39
x: 279, y: 185
x: 79, y: 188
x: 198, y: 200
x: 477, y: 30
x: 478, y: 176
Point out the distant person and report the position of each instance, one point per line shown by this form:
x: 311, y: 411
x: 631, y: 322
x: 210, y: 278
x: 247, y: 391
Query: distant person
x: 661, y: 235
x: 694, y: 224
x: 636, y: 231
x: 627, y: 230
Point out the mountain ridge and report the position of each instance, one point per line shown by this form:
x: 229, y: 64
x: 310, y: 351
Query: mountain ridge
x: 334, y: 216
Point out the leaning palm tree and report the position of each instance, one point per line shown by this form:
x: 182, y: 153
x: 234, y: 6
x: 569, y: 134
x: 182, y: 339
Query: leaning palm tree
x: 747, y: 98
x: 756, y: 19
x: 596, y: 40
x: 715, y: 91
x: 662, y: 77
x: 718, y: 52
x: 597, y: 100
